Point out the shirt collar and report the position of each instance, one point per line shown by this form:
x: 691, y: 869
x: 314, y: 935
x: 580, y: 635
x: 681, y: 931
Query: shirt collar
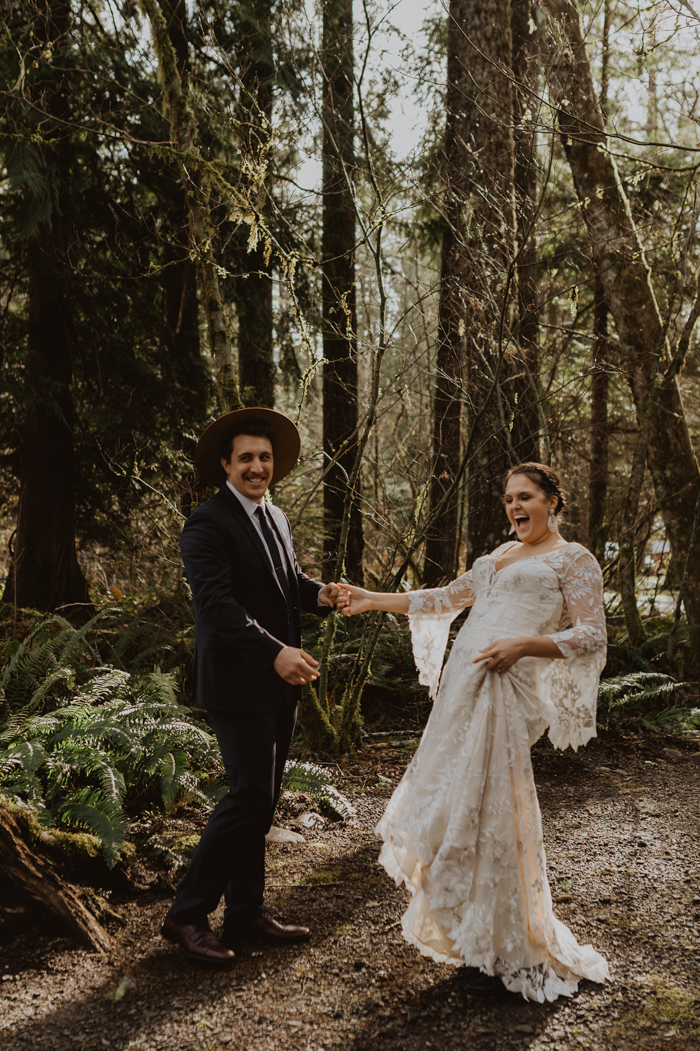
x: 249, y: 506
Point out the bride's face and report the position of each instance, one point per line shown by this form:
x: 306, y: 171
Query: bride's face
x: 528, y: 507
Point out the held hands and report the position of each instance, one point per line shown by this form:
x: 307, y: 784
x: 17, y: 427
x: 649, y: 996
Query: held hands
x: 352, y: 600
x: 502, y: 655
x: 296, y: 666
x: 328, y: 595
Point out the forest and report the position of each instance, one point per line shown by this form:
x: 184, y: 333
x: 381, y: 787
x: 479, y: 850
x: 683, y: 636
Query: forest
x: 444, y: 238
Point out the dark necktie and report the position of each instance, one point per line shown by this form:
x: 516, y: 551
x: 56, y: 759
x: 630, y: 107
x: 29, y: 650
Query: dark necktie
x: 275, y: 554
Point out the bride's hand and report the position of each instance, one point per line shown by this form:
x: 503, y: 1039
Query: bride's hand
x: 352, y: 600
x: 501, y: 655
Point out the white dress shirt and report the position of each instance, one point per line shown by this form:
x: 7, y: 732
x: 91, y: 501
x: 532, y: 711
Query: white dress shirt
x: 250, y: 507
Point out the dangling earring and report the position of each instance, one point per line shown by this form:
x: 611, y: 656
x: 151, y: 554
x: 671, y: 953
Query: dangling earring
x: 552, y: 522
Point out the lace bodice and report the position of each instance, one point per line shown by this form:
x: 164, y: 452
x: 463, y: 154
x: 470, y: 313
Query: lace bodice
x: 559, y: 594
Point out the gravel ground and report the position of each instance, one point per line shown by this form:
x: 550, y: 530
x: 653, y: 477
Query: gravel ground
x: 623, y: 843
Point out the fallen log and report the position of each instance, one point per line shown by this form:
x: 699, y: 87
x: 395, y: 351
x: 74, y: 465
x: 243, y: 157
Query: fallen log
x: 36, y: 877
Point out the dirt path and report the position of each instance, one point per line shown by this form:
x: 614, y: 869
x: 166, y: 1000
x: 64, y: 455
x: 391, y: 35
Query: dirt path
x: 623, y: 843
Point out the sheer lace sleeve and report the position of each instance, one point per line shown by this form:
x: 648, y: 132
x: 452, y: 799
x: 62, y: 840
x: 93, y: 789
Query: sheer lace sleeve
x: 582, y: 587
x: 570, y: 687
x: 430, y: 614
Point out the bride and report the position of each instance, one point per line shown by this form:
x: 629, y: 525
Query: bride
x: 463, y: 829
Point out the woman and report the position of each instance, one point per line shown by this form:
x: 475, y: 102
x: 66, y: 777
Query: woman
x: 463, y: 828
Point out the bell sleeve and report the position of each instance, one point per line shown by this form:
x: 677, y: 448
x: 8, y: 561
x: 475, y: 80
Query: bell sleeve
x: 430, y: 614
x: 570, y: 686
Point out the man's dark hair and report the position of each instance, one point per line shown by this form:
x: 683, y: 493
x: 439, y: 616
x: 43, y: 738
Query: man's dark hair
x: 255, y: 428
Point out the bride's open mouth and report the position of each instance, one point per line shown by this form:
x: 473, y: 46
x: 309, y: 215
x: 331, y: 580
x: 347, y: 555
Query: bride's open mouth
x: 521, y: 520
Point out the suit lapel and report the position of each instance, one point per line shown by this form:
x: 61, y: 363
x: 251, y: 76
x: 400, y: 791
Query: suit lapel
x: 239, y: 513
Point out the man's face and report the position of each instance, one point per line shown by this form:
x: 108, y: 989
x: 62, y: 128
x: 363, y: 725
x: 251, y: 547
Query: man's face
x: 250, y: 468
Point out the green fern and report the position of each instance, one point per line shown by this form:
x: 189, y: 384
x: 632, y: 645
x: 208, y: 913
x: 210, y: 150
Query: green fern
x: 634, y: 696
x: 83, y: 743
x: 314, y: 780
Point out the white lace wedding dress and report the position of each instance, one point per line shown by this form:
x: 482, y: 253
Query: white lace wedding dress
x: 463, y: 829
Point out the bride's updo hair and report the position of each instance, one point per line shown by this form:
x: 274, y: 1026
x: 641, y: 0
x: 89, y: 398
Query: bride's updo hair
x: 543, y: 476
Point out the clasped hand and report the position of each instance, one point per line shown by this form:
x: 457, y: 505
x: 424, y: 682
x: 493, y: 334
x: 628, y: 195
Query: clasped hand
x: 501, y: 655
x: 294, y: 664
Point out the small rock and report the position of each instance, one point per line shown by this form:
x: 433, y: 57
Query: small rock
x: 225, y: 1039
x: 125, y: 986
x: 695, y: 758
x: 359, y: 965
x: 523, y: 1029
x: 8, y: 978
x: 309, y: 820
x: 673, y: 753
x: 696, y: 901
x: 283, y: 835
x: 371, y: 1003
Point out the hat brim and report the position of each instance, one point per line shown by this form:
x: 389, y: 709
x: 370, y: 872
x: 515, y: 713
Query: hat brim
x: 286, y: 443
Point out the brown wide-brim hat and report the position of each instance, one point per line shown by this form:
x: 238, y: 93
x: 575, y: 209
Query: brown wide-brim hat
x: 286, y: 442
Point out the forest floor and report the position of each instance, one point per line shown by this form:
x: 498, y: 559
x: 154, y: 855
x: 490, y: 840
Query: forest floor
x: 622, y: 833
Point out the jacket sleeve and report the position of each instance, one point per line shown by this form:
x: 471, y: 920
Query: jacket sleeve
x: 225, y: 622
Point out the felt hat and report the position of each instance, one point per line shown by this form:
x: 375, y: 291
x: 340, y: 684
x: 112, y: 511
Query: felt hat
x: 286, y: 442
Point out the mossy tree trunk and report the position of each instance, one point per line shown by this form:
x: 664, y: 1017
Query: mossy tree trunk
x: 340, y: 394
x: 45, y: 573
x: 645, y: 355
x: 168, y: 22
x: 33, y: 875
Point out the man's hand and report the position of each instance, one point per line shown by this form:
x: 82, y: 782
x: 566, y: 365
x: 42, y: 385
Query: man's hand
x: 328, y: 595
x: 296, y: 666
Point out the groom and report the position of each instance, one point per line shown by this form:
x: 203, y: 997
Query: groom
x: 248, y: 670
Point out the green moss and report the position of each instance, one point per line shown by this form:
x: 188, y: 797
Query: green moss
x: 185, y: 844
x: 75, y: 845
x: 666, y: 1007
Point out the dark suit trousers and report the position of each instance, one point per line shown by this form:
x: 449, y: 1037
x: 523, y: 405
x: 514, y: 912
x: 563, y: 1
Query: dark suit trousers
x: 230, y: 856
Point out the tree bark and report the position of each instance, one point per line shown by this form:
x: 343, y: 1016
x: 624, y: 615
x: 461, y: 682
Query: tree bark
x: 35, y: 876
x: 45, y: 572
x: 598, y: 470
x: 525, y: 434
x: 168, y: 23
x: 252, y: 281
x: 340, y: 394
x: 478, y: 243
x: 626, y: 281
x: 600, y: 379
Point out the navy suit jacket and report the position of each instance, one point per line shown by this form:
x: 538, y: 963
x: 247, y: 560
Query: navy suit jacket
x: 242, y: 616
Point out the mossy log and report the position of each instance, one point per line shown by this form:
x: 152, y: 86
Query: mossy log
x: 34, y: 875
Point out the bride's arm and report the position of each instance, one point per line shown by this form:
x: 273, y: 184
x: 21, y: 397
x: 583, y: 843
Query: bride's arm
x: 447, y: 601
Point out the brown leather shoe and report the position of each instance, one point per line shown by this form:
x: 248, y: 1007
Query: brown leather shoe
x: 197, y: 941
x: 265, y: 928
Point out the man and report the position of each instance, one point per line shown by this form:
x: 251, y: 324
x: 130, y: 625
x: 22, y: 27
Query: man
x: 248, y: 671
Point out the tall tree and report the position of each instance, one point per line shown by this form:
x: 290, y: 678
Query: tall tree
x: 340, y: 395
x: 600, y: 376
x: 442, y: 544
x: 168, y: 29
x: 251, y: 267
x: 651, y: 366
x: 478, y: 247
x: 45, y: 572
x: 526, y: 82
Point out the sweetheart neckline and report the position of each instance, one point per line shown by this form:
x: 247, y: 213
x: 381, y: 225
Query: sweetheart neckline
x: 527, y: 558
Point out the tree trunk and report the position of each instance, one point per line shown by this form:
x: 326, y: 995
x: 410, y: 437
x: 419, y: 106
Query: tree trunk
x: 168, y: 30
x: 600, y: 380
x: 526, y: 72
x: 252, y: 270
x: 35, y: 876
x: 598, y: 470
x: 340, y: 414
x: 45, y: 571
x: 626, y: 281
x: 478, y: 242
